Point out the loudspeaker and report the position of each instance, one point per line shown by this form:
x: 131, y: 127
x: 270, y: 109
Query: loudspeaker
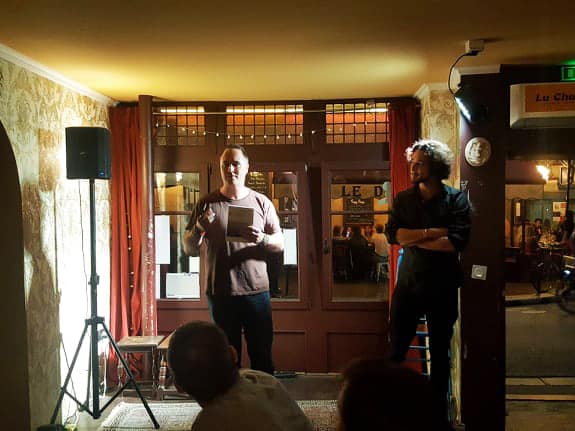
x: 88, y: 153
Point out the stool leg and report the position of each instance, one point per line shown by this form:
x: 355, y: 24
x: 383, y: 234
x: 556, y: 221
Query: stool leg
x: 154, y: 373
x: 162, y: 379
x: 120, y: 369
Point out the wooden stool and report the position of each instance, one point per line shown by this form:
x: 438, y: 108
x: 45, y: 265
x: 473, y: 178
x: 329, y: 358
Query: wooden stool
x: 163, y: 350
x: 140, y: 344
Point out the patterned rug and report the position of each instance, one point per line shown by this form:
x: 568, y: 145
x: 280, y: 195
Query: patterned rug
x: 179, y: 416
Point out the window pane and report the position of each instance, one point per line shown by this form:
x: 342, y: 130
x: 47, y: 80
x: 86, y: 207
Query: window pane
x: 179, y: 125
x: 359, y: 209
x: 283, y: 268
x: 177, y: 275
x: 357, y: 122
x: 176, y: 191
x: 264, y: 125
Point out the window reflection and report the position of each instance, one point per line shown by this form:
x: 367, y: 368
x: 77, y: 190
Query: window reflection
x: 175, y: 195
x: 281, y: 188
x: 176, y: 191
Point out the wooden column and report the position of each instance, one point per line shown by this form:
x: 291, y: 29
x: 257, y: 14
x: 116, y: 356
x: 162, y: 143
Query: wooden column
x: 482, y: 301
x: 148, y: 278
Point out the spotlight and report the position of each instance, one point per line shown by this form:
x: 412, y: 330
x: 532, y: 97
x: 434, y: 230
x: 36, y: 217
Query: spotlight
x: 471, y: 109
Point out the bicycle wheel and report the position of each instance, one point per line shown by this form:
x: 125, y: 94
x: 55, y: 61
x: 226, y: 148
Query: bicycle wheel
x: 566, y: 296
x: 552, y: 279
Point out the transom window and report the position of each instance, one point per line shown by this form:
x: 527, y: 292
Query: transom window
x: 180, y: 125
x: 357, y: 123
x: 264, y: 124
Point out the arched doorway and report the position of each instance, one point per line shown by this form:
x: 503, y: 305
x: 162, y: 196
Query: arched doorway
x: 15, y: 410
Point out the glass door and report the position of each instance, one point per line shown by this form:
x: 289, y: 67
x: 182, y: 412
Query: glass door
x: 175, y: 195
x: 356, y: 205
x: 285, y: 184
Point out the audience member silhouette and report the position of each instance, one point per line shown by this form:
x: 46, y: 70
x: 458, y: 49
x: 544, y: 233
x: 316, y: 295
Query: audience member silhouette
x: 368, y: 232
x: 360, y: 253
x: 566, y: 229
x: 379, y: 395
x: 204, y: 366
x: 336, y: 232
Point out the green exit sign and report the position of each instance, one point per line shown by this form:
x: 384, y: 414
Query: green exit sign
x: 568, y: 73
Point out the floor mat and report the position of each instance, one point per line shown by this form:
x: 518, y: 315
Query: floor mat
x: 179, y: 416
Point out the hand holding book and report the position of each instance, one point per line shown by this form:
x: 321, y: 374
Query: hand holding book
x: 240, y: 224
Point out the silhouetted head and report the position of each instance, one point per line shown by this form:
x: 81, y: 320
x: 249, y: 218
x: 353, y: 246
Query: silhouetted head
x: 202, y: 361
x: 380, y: 395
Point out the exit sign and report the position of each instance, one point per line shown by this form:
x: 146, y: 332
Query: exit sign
x: 568, y: 73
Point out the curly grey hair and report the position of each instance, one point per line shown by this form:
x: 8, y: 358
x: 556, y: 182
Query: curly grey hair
x: 439, y: 153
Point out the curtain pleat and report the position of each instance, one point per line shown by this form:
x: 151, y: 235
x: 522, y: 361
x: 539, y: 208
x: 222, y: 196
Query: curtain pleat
x: 403, y: 132
x: 126, y: 235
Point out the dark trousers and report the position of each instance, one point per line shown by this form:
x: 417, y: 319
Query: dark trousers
x: 438, y: 302
x: 253, y: 315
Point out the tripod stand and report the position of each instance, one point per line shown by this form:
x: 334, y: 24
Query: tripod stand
x: 92, y: 325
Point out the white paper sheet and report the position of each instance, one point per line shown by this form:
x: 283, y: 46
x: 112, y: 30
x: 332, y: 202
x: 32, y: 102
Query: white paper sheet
x: 290, y: 246
x: 162, y: 236
x: 183, y: 285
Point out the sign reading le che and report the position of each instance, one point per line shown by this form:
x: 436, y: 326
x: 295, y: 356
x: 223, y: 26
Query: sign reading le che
x: 538, y: 105
x: 550, y: 97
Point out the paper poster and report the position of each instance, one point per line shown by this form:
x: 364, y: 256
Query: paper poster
x: 162, y: 237
x: 290, y: 246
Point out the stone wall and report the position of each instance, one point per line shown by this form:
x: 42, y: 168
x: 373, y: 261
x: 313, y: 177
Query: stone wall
x: 35, y: 112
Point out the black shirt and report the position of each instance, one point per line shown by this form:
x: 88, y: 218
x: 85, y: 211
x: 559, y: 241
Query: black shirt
x: 450, y: 209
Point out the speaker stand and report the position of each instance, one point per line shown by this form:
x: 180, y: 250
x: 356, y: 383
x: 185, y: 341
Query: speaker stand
x: 92, y: 325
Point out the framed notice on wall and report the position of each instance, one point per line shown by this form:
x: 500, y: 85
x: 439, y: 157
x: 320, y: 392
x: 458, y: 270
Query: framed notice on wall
x: 258, y: 181
x: 559, y: 211
x: 362, y: 211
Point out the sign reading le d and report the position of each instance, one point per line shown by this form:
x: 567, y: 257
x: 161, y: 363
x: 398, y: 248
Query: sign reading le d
x: 364, y: 191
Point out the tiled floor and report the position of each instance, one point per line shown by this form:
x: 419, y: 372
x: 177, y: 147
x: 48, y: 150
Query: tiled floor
x: 301, y: 387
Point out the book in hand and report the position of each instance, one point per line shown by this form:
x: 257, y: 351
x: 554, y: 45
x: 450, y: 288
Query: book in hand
x: 239, y: 218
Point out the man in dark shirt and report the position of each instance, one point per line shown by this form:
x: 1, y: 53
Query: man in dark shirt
x: 431, y: 221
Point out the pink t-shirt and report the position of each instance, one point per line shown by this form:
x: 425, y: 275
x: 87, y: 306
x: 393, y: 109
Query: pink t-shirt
x: 234, y: 268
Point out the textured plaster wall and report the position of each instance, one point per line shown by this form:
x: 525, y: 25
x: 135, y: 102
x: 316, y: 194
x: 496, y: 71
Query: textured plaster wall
x: 440, y: 121
x: 35, y: 112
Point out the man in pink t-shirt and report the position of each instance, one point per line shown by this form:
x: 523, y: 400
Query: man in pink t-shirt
x: 234, y: 274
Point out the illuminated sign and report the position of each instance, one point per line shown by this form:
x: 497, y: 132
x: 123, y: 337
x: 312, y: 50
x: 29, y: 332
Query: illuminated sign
x: 550, y: 97
x: 568, y: 73
x: 537, y: 105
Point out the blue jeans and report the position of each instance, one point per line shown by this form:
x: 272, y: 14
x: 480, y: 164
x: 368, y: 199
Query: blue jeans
x: 253, y: 315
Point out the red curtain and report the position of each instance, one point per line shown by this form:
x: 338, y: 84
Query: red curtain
x: 403, y: 132
x: 126, y: 238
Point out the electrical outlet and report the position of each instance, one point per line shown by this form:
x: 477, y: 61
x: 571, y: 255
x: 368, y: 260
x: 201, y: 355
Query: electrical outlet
x: 479, y: 272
